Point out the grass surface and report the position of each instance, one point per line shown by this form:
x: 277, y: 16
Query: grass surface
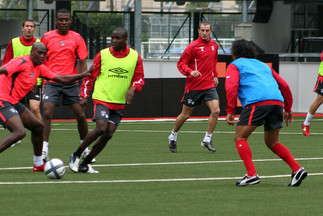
x: 140, y: 176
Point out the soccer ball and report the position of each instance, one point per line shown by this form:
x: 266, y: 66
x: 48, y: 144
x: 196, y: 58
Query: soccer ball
x: 54, y: 168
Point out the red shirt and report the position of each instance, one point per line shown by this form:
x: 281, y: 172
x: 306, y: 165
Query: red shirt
x: 21, y: 77
x: 199, y: 55
x: 9, y: 52
x: 137, y: 79
x: 63, y: 50
x: 232, y: 88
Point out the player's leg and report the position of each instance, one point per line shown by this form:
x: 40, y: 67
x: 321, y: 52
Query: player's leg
x: 34, y: 106
x: 36, y: 127
x: 82, y: 124
x: 214, y: 108
x: 17, y: 129
x: 315, y: 105
x: 180, y: 120
x: 48, y: 114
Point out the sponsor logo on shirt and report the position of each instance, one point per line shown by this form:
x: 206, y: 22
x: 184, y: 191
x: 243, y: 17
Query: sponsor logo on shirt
x: 202, y: 49
x: 212, y: 47
x: 62, y: 43
x: 118, y: 73
x: 32, y: 75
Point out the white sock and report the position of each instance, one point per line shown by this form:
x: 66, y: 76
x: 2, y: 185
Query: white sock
x: 308, y: 119
x: 38, y: 160
x: 45, y: 146
x: 207, y: 137
x: 173, y: 135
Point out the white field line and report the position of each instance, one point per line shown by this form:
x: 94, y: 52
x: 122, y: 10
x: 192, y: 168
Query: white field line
x: 144, y: 180
x: 155, y: 180
x: 173, y: 163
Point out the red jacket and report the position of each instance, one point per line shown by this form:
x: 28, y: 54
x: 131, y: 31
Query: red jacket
x: 199, y: 55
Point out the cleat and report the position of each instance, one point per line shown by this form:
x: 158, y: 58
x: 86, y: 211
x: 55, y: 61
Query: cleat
x: 16, y: 143
x: 172, y: 145
x: 87, y: 168
x: 245, y: 181
x: 208, y: 146
x: 45, y: 156
x: 306, y: 130
x: 74, y: 163
x: 298, y: 177
x: 39, y: 168
x: 85, y: 153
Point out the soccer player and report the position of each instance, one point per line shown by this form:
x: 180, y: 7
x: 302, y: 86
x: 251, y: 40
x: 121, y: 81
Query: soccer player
x: 118, y: 74
x: 64, y: 46
x: 198, y: 64
x: 263, y: 95
x: 17, y: 78
x: 20, y: 46
x: 317, y: 102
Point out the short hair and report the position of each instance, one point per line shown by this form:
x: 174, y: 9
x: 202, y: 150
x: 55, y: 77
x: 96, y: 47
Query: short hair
x: 205, y: 23
x: 63, y: 10
x: 123, y: 32
x: 243, y: 48
x: 23, y: 24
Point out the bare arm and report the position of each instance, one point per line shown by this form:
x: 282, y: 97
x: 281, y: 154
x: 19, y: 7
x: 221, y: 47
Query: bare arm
x: 83, y: 65
x: 72, y: 78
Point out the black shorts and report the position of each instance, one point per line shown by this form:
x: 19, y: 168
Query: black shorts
x: 70, y: 93
x: 195, y: 97
x: 8, y: 110
x: 34, y: 95
x: 319, y: 85
x: 104, y: 113
x: 271, y: 116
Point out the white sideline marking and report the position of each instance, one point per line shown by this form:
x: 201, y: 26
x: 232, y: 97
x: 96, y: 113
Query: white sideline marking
x: 144, y: 180
x: 173, y: 163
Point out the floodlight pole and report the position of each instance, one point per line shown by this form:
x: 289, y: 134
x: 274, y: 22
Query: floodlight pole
x: 138, y: 26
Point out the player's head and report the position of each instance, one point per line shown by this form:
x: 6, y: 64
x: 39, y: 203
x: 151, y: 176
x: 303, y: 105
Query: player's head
x: 119, y: 37
x: 63, y: 21
x: 38, y: 53
x: 205, y: 30
x: 28, y: 28
x: 243, y: 48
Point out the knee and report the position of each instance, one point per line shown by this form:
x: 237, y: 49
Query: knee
x: 38, y: 128
x: 20, y: 134
x: 81, y: 117
x: 215, y: 112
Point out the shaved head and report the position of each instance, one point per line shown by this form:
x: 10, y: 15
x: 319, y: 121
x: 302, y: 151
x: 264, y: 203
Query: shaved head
x: 39, y: 45
x: 38, y: 53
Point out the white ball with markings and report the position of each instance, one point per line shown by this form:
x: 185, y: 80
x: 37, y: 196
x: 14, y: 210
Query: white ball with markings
x: 54, y: 168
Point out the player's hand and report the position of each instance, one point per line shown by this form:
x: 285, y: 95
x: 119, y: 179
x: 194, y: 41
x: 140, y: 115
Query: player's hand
x: 195, y: 73
x: 83, y: 103
x: 130, y: 95
x: 288, y: 116
x: 216, y: 81
x: 230, y: 119
x: 88, y: 72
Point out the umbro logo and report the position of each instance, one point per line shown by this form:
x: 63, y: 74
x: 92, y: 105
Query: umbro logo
x: 118, y: 70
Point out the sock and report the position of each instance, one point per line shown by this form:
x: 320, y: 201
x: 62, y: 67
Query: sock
x: 246, y: 156
x: 45, y: 146
x: 87, y: 160
x: 78, y: 152
x: 308, y: 119
x: 285, y: 154
x: 207, y: 137
x: 173, y: 135
x: 38, y: 160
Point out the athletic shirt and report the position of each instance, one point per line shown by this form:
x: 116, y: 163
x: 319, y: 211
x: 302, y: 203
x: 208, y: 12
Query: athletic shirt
x: 256, y: 82
x: 115, y: 78
x: 199, y: 55
x: 21, y: 77
x: 63, y: 50
x: 321, y: 66
x: 19, y: 49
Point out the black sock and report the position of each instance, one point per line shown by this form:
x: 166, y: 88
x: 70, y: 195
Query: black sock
x: 78, y: 152
x: 87, y: 160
